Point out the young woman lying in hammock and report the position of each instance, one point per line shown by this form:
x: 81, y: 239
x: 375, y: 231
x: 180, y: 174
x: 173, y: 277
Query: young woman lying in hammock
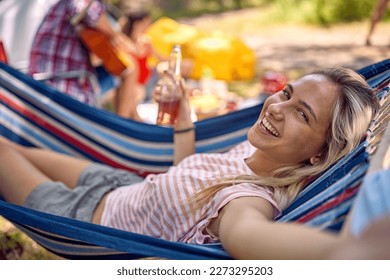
x: 231, y: 197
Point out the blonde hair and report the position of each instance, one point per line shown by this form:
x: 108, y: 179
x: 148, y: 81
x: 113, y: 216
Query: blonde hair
x: 355, y: 106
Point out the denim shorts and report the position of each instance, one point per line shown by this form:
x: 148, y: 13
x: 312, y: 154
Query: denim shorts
x: 79, y: 203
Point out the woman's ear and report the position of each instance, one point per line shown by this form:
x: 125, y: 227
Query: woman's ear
x: 314, y: 160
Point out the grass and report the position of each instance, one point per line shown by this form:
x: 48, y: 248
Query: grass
x: 14, y: 244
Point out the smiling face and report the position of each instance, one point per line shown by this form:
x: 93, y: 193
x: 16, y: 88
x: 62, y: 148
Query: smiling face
x: 293, y: 124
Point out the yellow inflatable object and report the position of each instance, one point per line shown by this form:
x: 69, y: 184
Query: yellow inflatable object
x: 165, y: 33
x: 226, y: 57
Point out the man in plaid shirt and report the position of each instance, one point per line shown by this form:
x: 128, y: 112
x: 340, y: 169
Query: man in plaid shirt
x: 57, y: 47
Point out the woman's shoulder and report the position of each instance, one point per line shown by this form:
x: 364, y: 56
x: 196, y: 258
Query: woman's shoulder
x: 245, y: 190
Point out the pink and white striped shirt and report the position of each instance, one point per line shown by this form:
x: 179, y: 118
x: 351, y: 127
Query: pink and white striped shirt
x: 160, y: 205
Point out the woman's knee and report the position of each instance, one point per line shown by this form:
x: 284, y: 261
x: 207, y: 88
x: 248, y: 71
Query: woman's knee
x: 6, y: 148
x: 10, y: 145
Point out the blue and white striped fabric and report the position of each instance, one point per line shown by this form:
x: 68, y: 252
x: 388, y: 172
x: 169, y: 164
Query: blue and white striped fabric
x: 32, y: 114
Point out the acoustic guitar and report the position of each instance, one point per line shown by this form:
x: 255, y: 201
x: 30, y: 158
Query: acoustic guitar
x: 114, y: 60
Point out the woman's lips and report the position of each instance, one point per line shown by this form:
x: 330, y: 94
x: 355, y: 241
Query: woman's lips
x: 268, y: 128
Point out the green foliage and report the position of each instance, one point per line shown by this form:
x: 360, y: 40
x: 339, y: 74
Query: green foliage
x: 323, y: 12
x: 343, y: 10
x: 187, y: 9
x: 233, y: 4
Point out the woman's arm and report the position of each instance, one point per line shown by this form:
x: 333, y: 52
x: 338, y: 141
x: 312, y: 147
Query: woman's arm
x: 247, y: 232
x: 184, y: 130
x: 103, y: 25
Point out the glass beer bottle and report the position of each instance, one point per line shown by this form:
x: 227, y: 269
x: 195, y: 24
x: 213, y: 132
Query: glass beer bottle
x: 169, y: 97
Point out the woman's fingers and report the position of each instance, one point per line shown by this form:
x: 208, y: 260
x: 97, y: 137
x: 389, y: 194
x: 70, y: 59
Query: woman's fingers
x: 183, y: 88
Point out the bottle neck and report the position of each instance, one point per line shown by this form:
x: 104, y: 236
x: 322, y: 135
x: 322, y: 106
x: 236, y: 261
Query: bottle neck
x: 175, y: 61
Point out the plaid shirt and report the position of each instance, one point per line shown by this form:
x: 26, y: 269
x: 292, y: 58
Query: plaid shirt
x: 57, y: 48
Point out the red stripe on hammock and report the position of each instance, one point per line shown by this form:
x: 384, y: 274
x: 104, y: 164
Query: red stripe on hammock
x: 345, y: 195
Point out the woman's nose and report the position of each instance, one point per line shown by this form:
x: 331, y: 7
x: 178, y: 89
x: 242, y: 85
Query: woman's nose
x: 275, y: 110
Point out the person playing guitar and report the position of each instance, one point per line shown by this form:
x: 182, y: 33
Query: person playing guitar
x: 61, y: 45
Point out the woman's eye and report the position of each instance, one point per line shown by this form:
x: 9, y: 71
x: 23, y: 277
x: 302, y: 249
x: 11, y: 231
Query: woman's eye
x: 304, y: 116
x: 286, y: 94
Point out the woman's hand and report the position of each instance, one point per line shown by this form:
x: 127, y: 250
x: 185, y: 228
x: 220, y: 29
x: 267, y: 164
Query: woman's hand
x: 184, y: 135
x: 122, y: 42
x: 184, y: 120
x: 172, y: 83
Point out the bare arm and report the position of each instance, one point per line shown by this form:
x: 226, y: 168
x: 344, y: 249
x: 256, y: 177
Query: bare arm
x: 247, y: 232
x: 184, y: 143
x: 104, y: 25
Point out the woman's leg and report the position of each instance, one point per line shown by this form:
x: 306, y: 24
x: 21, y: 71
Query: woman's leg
x: 18, y: 177
x: 54, y: 166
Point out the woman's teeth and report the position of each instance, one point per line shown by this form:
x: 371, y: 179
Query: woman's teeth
x: 270, y: 128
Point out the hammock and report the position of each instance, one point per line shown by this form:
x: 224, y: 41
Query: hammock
x: 33, y: 114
